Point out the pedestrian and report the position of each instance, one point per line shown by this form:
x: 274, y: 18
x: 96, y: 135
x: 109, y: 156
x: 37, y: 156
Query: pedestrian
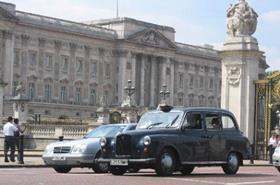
x: 19, y: 141
x: 271, y: 146
x: 9, y: 142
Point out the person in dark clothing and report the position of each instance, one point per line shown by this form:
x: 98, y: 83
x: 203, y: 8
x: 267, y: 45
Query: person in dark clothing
x: 19, y: 141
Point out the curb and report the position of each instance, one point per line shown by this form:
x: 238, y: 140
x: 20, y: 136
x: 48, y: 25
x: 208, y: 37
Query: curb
x: 24, y: 166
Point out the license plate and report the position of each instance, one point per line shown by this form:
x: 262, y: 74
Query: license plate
x: 59, y: 158
x: 119, y: 162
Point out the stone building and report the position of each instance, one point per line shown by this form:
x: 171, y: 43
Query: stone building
x: 66, y: 67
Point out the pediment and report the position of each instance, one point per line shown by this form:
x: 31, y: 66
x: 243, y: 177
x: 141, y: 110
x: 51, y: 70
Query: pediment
x: 151, y: 37
x: 4, y: 14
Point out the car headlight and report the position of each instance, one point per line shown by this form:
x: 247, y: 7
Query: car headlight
x: 147, y: 140
x: 103, y: 141
x: 79, y: 148
x: 48, y: 149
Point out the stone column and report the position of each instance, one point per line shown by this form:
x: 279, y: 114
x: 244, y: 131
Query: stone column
x: 142, y: 89
x: 8, y: 59
x: 57, y: 46
x: 122, y: 58
x: 72, y: 64
x: 240, y: 68
x: 153, y: 81
x: 172, y: 81
x: 2, y: 85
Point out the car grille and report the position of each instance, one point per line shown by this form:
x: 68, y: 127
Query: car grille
x: 123, y: 145
x: 62, y: 149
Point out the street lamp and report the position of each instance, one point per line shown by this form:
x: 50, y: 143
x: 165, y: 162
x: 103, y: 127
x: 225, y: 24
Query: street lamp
x: 129, y: 90
x: 164, y: 93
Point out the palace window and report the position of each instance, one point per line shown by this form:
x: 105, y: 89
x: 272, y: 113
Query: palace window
x: 49, y: 61
x: 191, y: 81
x: 180, y: 99
x: 168, y: 71
x: 107, y: 71
x: 15, y: 84
x: 191, y: 100
x: 211, y: 83
x: 92, y: 97
x: 79, y: 65
x: 201, y: 100
x: 201, y: 82
x: 48, y: 92
x: 93, y: 69
x: 31, y: 91
x: 181, y: 80
x: 33, y: 58
x: 78, y: 95
x: 16, y: 57
x: 65, y: 63
x: 63, y: 94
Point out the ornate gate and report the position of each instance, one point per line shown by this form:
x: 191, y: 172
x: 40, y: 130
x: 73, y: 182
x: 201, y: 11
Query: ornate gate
x: 267, y: 103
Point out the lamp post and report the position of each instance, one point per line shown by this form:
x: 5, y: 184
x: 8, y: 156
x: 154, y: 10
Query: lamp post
x: 129, y: 89
x: 164, y: 93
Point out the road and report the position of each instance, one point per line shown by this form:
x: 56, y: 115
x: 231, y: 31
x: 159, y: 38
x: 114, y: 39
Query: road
x: 201, y: 176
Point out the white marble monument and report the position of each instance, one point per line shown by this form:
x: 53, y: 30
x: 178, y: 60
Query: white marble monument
x: 242, y: 64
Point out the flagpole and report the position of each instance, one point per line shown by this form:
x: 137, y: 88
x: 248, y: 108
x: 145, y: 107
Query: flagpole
x: 117, y: 8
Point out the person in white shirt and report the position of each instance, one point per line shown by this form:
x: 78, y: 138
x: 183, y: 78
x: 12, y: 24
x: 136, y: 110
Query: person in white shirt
x: 271, y: 146
x: 9, y: 142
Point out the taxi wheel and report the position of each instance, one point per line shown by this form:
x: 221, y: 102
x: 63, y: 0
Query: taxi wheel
x: 186, y: 170
x: 62, y: 169
x: 166, y: 163
x: 117, y: 170
x: 232, y: 165
x: 101, y: 168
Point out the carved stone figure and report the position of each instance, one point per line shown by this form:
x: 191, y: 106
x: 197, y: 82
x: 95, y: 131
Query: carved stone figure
x: 233, y: 75
x: 19, y: 89
x: 242, y: 19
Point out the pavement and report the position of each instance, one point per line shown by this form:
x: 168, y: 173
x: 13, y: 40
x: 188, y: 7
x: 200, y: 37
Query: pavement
x: 37, y: 162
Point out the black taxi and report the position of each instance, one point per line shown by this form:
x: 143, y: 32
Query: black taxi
x: 178, y: 139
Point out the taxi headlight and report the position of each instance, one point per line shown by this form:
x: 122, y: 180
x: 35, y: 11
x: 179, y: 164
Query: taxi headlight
x: 79, y: 148
x: 103, y: 142
x: 147, y: 140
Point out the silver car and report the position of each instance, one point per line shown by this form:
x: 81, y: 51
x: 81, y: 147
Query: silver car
x: 276, y: 158
x: 64, y: 155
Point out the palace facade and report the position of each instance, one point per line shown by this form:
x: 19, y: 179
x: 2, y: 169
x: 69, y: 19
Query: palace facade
x: 66, y: 67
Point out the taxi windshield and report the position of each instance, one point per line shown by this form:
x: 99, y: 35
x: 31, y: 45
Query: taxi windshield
x: 160, y: 119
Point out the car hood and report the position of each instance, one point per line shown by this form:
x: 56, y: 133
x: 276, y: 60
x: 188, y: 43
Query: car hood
x: 86, y: 141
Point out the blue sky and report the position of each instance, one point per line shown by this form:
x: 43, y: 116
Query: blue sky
x: 196, y: 22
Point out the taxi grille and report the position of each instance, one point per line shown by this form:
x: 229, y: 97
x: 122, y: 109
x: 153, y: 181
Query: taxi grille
x: 62, y: 149
x: 123, y: 145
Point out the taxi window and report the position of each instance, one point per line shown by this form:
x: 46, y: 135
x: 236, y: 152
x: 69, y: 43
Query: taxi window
x: 213, y: 122
x: 193, y: 120
x: 228, y: 122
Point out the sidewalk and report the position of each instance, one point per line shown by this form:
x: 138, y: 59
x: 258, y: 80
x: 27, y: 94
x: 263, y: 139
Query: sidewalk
x: 37, y: 162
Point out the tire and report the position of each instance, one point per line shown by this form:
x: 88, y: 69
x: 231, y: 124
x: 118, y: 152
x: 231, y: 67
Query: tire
x: 186, y: 170
x: 101, y: 168
x: 166, y: 163
x: 117, y: 170
x: 278, y: 168
x: 133, y: 170
x: 232, y: 165
x: 62, y: 169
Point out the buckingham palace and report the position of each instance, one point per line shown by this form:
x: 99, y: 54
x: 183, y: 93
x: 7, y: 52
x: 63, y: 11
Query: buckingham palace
x: 66, y: 67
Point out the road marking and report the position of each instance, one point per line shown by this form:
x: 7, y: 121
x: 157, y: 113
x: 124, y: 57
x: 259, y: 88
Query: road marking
x: 199, y: 181
x: 255, y: 182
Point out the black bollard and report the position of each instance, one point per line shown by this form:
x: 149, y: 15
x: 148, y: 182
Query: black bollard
x: 21, y: 149
x: 253, y: 154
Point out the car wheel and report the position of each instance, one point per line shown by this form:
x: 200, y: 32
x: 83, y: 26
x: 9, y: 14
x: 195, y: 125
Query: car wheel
x: 116, y: 170
x: 232, y: 165
x: 101, y: 168
x: 62, y: 169
x: 278, y: 168
x: 186, y: 170
x: 166, y: 163
x: 133, y: 170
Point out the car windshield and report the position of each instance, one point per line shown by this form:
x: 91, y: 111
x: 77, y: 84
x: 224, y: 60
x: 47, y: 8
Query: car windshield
x: 160, y: 119
x: 108, y: 131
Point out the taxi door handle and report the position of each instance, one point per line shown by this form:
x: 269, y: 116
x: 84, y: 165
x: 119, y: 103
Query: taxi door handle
x: 206, y: 136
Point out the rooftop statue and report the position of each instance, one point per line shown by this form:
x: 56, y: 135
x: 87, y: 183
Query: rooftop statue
x: 242, y: 19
